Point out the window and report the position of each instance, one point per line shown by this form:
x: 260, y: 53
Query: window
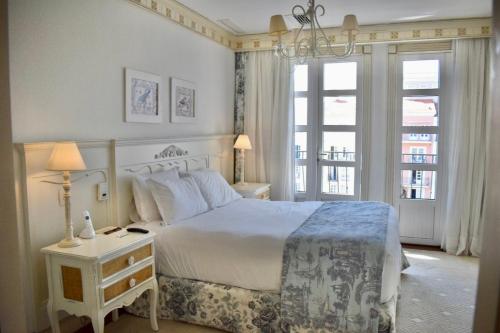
x: 340, y: 130
x: 419, y: 127
x: 421, y: 74
x: 327, y: 129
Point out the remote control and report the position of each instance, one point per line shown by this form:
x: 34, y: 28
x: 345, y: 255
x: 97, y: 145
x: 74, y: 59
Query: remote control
x: 140, y: 230
x: 112, y: 230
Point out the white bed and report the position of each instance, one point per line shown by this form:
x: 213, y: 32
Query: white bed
x: 241, y: 244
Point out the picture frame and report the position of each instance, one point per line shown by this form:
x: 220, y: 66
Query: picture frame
x: 143, y: 97
x: 182, y: 101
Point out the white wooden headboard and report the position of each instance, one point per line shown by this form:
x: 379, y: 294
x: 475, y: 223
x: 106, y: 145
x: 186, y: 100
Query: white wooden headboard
x: 132, y: 157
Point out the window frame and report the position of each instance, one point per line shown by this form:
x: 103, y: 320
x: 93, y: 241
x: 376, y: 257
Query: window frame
x: 357, y: 129
x: 314, y: 122
x: 440, y: 92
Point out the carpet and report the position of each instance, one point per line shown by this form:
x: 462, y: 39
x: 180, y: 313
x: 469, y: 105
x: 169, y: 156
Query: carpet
x: 438, y: 293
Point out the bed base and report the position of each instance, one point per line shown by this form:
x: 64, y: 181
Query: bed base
x: 228, y: 308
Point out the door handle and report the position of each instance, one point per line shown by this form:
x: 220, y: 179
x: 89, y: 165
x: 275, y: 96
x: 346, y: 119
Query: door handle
x: 320, y: 156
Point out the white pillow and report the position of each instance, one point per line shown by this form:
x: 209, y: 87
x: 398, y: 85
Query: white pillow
x: 214, y: 188
x: 144, y: 201
x: 177, y: 200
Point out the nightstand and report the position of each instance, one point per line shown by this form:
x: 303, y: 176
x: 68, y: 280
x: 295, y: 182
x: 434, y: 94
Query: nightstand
x: 101, y: 275
x: 253, y: 190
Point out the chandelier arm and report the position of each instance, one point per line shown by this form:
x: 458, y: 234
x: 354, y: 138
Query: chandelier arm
x: 313, y: 20
x: 302, y: 49
x: 327, y: 41
x: 296, y: 41
x: 349, y: 47
x: 323, y: 11
x: 283, y: 53
x: 348, y: 51
x: 298, y: 7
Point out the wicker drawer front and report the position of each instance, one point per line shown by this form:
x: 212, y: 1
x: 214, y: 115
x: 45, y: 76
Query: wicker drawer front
x: 124, y: 261
x: 127, y: 283
x: 72, y: 283
x: 264, y: 195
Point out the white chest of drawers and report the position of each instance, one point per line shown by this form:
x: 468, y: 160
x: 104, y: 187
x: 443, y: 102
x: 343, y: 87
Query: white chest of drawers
x: 101, y: 275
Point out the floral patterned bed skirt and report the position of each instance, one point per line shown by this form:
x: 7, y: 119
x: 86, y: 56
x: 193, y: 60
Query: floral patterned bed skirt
x: 227, y: 308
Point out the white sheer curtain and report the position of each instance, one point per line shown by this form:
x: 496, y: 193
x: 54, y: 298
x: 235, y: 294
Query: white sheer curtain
x: 467, y: 141
x: 269, y: 123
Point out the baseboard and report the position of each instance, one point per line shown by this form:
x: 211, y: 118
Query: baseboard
x: 422, y: 247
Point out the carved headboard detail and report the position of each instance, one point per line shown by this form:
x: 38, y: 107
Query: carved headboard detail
x: 171, y: 151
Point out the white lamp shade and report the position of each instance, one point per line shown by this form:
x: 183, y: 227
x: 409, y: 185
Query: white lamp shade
x: 66, y: 157
x: 277, y: 25
x: 350, y: 24
x: 243, y: 142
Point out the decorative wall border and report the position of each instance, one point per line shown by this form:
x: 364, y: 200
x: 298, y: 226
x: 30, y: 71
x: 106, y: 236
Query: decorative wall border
x: 189, y: 19
x: 383, y: 33
x: 369, y: 34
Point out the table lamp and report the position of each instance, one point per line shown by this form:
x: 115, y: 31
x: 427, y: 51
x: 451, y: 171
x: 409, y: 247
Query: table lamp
x: 242, y: 143
x: 66, y: 157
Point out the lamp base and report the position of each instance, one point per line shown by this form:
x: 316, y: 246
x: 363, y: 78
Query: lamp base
x: 70, y: 242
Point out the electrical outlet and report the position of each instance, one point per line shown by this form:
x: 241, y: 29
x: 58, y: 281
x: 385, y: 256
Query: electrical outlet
x: 102, y: 191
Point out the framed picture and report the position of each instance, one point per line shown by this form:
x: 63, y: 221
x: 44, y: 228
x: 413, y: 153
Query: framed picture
x: 182, y: 101
x: 142, y: 97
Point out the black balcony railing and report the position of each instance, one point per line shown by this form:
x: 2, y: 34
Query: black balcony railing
x: 348, y: 156
x: 419, y: 158
x: 300, y: 154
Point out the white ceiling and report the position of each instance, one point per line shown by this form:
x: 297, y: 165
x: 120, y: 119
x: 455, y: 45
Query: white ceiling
x: 253, y: 16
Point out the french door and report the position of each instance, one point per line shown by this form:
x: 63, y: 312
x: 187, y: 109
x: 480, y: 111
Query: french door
x: 419, y: 145
x: 328, y: 118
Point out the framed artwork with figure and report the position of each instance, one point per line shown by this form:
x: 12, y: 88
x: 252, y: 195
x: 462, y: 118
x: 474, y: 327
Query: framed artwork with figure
x: 182, y: 101
x: 142, y: 97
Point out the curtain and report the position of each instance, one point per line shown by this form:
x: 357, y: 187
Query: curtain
x: 467, y: 143
x: 269, y: 123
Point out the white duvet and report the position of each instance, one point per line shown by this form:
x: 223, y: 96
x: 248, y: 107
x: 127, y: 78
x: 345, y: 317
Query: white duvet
x: 241, y: 244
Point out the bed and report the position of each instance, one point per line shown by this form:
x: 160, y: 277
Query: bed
x: 246, y: 266
x: 223, y: 268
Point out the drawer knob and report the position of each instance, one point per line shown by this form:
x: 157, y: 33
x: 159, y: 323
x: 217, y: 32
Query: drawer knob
x: 131, y: 283
x: 131, y: 260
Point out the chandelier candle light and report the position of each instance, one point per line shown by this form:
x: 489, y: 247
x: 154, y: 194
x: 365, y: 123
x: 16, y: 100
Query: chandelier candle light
x: 242, y: 143
x: 311, y: 42
x: 66, y: 157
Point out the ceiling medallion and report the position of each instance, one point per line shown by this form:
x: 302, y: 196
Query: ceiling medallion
x: 311, y: 42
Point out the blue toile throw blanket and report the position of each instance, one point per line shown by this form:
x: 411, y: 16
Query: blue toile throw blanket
x: 332, y: 269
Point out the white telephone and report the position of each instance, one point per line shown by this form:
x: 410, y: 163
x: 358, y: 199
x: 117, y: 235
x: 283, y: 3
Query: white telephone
x: 88, y: 231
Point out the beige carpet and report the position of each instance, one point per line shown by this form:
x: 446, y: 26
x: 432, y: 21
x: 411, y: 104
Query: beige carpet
x: 438, y: 294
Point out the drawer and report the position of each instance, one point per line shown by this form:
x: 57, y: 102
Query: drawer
x: 126, y: 260
x: 127, y: 283
x: 264, y: 195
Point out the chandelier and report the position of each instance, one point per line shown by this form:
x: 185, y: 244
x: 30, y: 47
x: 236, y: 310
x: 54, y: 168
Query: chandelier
x: 311, y: 42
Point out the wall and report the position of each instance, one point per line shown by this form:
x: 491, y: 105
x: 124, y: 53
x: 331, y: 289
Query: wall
x: 487, y: 315
x: 67, y: 69
x: 67, y: 60
x: 12, y: 311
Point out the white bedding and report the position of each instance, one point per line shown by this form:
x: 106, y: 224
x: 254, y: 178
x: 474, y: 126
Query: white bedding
x: 241, y: 244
